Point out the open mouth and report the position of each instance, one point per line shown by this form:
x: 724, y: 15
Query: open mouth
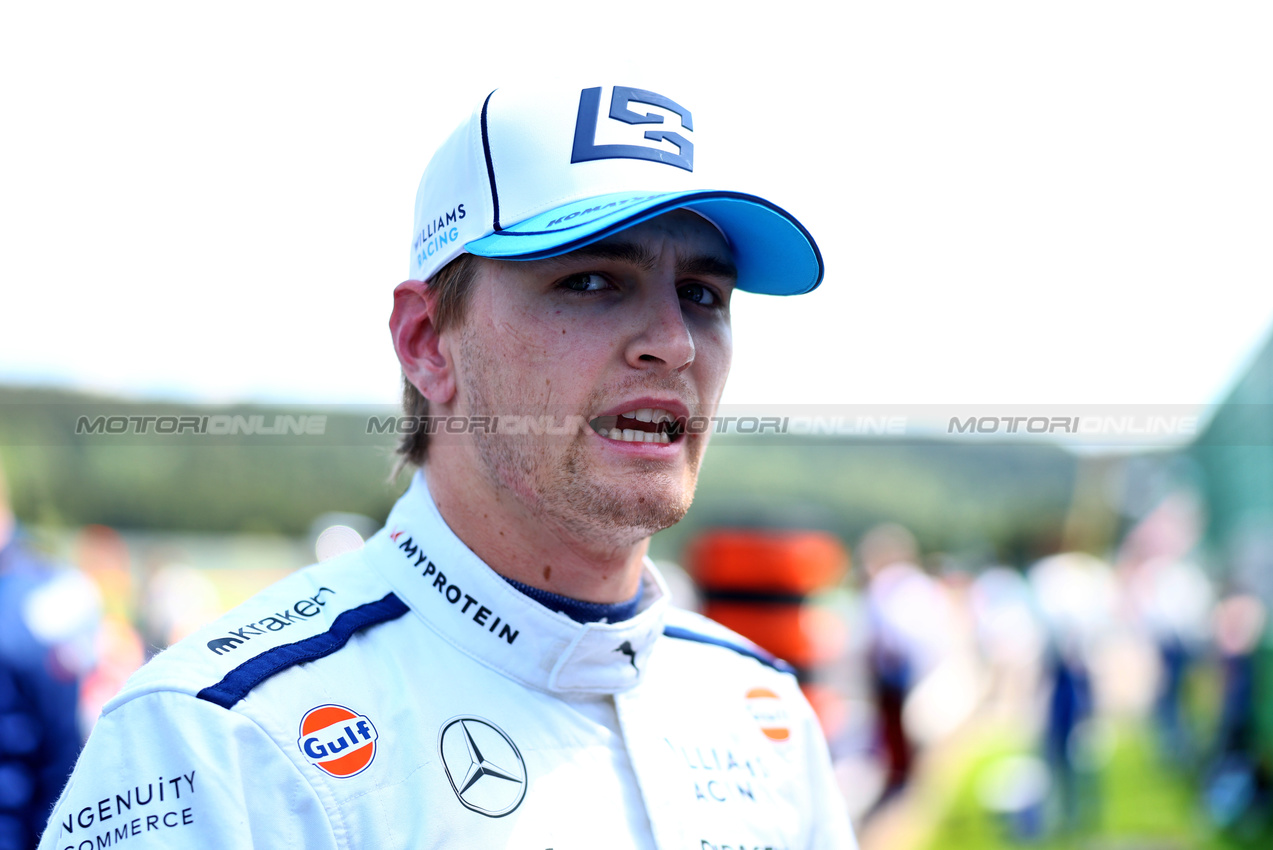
x: 645, y: 425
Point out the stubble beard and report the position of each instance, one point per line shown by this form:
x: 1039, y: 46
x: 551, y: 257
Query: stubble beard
x: 564, y: 489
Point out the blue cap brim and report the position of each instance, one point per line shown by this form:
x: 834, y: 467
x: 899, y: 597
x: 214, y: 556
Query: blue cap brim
x: 774, y: 254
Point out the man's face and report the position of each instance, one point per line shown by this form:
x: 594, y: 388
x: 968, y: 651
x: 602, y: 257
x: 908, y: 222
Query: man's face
x: 631, y: 334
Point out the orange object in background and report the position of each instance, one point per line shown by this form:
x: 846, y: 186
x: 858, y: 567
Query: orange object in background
x: 801, y: 634
x: 786, y: 562
x: 758, y: 583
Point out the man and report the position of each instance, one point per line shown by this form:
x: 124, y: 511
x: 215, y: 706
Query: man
x: 499, y: 666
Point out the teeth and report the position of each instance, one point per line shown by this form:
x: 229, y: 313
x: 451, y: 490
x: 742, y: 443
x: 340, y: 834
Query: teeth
x: 665, y: 422
x: 649, y: 414
x: 631, y: 435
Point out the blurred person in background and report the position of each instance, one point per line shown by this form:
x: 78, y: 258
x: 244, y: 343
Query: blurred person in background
x: 909, y: 621
x: 1173, y: 600
x: 48, y: 622
x: 1237, y: 782
x: 1010, y: 638
x: 1077, y: 596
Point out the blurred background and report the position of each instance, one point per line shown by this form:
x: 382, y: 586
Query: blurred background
x: 1017, y: 530
x: 1057, y: 640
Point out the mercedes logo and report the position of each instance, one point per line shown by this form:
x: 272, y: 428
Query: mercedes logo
x: 485, y: 768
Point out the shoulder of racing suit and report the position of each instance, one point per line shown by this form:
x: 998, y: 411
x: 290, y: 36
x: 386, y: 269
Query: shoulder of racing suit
x: 314, y: 612
x: 682, y: 625
x: 306, y: 616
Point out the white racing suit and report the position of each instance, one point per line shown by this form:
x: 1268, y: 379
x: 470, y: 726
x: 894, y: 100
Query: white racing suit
x: 406, y: 696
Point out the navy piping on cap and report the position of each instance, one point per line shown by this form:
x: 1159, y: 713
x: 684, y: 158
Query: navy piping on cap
x: 242, y: 679
x: 490, y: 165
x: 751, y: 652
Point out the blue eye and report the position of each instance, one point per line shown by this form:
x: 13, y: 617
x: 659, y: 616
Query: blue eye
x: 585, y: 282
x: 699, y: 294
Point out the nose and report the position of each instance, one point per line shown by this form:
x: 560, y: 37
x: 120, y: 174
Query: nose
x: 661, y: 339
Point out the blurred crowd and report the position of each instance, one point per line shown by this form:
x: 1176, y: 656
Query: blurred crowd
x: 1061, y: 653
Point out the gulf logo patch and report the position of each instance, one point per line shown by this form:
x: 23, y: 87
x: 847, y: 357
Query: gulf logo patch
x: 769, y: 712
x: 337, y: 740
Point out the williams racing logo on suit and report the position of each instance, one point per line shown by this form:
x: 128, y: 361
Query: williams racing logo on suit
x: 338, y: 740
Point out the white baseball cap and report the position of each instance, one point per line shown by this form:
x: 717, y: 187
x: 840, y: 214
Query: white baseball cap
x: 534, y: 174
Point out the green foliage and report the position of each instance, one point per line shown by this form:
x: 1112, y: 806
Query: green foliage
x: 184, y: 483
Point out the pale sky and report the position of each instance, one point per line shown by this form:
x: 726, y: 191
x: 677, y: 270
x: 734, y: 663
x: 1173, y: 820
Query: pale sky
x: 1017, y: 202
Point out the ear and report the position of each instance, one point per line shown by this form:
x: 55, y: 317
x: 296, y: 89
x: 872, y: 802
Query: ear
x: 424, y: 355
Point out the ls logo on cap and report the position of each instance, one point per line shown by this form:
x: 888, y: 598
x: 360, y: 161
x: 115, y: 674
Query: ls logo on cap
x: 586, y: 147
x: 337, y: 740
x: 485, y: 767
